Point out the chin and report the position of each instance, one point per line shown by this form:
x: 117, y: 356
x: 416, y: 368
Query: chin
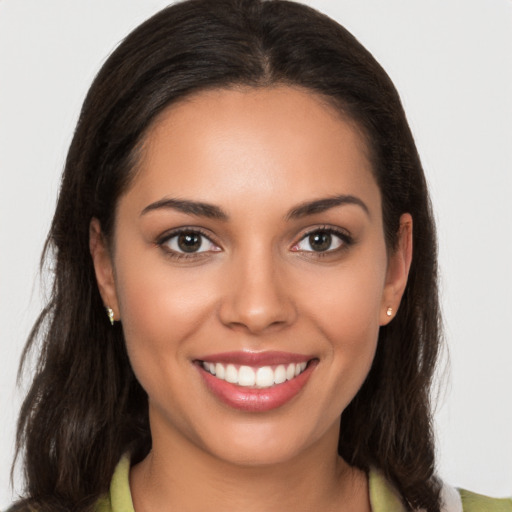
x: 259, y: 444
x: 255, y: 455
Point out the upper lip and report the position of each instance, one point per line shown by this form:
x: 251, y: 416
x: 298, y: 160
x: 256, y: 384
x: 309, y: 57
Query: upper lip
x: 268, y: 358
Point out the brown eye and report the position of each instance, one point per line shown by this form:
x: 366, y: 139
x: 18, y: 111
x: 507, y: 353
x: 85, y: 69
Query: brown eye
x: 320, y: 241
x: 190, y: 242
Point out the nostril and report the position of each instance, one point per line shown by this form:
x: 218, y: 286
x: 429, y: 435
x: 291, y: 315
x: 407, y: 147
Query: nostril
x: 240, y: 315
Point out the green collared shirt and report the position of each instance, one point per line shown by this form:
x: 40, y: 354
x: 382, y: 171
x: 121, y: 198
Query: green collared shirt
x: 383, y: 497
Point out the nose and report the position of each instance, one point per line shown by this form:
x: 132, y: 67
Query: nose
x: 257, y: 298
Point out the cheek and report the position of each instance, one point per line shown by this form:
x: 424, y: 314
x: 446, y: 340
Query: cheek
x: 161, y: 309
x: 161, y: 313
x: 345, y: 308
x: 346, y: 304
x: 157, y: 301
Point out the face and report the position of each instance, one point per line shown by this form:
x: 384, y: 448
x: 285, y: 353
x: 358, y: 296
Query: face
x: 250, y: 273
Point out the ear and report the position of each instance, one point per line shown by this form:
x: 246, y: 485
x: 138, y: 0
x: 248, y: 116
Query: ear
x: 103, y: 267
x: 398, y: 271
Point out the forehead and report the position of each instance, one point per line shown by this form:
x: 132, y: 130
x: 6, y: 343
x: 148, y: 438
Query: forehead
x: 261, y: 142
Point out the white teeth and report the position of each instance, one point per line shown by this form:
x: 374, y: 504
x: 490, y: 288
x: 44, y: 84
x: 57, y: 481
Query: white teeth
x: 220, y: 372
x: 260, y: 377
x: 246, y: 376
x: 290, y: 371
x: 231, y: 374
x: 264, y: 377
x: 280, y: 374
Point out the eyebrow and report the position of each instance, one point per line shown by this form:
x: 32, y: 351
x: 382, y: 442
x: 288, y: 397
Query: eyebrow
x: 322, y: 205
x: 191, y: 207
x: 214, y: 212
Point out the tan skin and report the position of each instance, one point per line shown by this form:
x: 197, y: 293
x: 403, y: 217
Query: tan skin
x: 257, y: 280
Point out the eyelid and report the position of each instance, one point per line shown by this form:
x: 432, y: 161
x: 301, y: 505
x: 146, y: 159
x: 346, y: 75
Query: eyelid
x: 161, y: 241
x: 341, y: 233
x: 164, y: 238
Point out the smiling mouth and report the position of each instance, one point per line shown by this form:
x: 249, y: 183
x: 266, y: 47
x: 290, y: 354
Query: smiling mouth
x: 256, y: 382
x: 258, y: 377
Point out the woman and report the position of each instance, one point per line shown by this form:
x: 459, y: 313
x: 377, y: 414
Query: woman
x: 243, y: 196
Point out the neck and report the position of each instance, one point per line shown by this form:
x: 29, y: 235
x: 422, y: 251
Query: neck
x: 182, y: 476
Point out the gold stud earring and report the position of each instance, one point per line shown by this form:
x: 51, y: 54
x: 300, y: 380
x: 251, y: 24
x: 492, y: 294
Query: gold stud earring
x: 389, y: 311
x: 110, y: 313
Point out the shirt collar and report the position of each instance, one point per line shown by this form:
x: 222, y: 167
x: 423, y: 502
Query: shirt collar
x: 383, y: 497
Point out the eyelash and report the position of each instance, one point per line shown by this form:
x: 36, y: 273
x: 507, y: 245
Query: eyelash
x: 163, y: 241
x: 345, y: 238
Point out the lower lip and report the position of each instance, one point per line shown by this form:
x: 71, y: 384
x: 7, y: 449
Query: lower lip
x: 256, y: 400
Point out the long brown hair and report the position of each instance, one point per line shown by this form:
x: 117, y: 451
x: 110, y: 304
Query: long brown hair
x: 85, y: 408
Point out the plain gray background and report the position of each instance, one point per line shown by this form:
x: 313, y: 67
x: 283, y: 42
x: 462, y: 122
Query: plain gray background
x: 451, y: 62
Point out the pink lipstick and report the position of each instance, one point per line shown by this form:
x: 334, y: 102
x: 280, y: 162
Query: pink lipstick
x: 256, y: 381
